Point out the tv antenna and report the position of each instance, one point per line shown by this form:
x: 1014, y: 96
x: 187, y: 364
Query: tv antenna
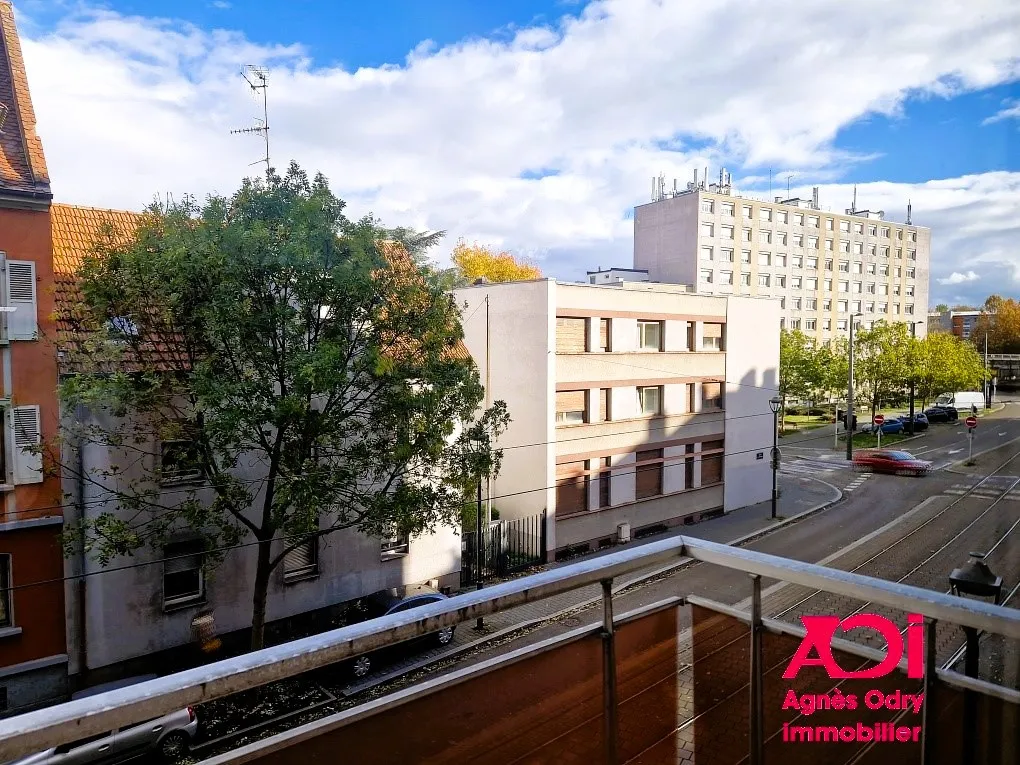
x: 256, y: 77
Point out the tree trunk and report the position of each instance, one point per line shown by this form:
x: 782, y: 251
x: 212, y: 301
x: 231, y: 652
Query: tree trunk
x: 258, y: 610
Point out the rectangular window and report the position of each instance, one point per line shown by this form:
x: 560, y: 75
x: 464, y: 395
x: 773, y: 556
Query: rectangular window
x: 726, y: 255
x: 708, y: 229
x: 394, y: 546
x: 183, y: 577
x: 780, y: 238
x: 798, y: 240
x: 909, y: 290
x: 711, y: 463
x: 827, y: 304
x: 705, y: 275
x: 798, y: 219
x: 765, y: 214
x: 844, y: 225
x: 571, y: 407
x: 726, y: 232
x: 727, y: 209
x: 796, y: 261
x: 828, y: 264
x: 913, y: 236
x: 747, y: 211
x: 871, y: 268
x: 795, y: 282
x: 908, y: 309
x: 781, y: 260
x: 706, y: 253
x: 179, y: 460
x: 811, y: 263
x: 855, y: 306
x: 871, y: 250
x: 844, y: 286
x: 690, y: 336
x: 883, y: 308
x: 811, y: 304
x: 711, y: 337
x: 899, y: 253
x: 605, y: 481
x: 859, y: 228
x: 571, y: 335
x: 869, y: 308
x: 826, y: 324
x: 711, y: 395
x: 725, y: 277
x: 782, y: 303
x: 650, y: 400
x: 828, y: 224
x: 764, y: 258
x: 828, y: 245
x: 858, y: 267
x: 810, y: 283
x: 605, y: 405
x: 649, y: 335
x: 912, y: 254
x: 745, y: 256
x: 844, y: 246
x: 782, y: 216
x: 812, y: 221
x: 28, y: 464
x: 828, y: 285
x: 869, y: 288
x: 780, y: 281
x: 648, y: 474
x: 571, y: 488
x: 841, y: 306
x: 6, y: 614
x: 883, y: 270
x: 812, y: 242
x: 910, y: 273
x: 885, y: 233
x: 896, y: 308
x: 782, y: 323
x: 796, y: 303
x: 605, y: 335
x: 896, y: 289
x: 899, y: 272
x: 885, y: 252
x: 883, y: 289
x: 302, y: 562
x: 764, y: 280
x: 809, y: 324
x: 745, y: 280
x: 857, y: 288
x: 764, y: 237
x: 841, y: 325
x: 707, y: 206
x: 745, y: 235
x: 858, y: 248
x: 899, y: 233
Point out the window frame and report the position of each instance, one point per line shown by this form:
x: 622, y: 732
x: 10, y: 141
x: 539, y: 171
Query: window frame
x: 176, y: 552
x: 642, y: 325
x: 394, y: 546
x: 659, y: 393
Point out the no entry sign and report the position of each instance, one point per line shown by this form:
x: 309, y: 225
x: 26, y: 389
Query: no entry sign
x: 879, y: 419
x: 972, y: 422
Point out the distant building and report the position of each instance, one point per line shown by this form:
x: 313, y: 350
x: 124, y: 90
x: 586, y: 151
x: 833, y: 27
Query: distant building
x: 959, y: 323
x: 611, y: 275
x: 822, y: 266
x: 635, y: 406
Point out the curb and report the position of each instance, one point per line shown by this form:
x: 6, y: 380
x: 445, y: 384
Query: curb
x: 949, y: 468
x: 623, y: 586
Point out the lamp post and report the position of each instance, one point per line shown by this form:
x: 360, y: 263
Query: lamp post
x: 913, y: 334
x: 987, y: 388
x: 850, y: 394
x: 774, y: 403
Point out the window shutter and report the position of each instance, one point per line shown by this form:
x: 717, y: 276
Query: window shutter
x: 27, y: 465
x: 571, y: 335
x: 300, y: 560
x: 22, y: 323
x: 570, y: 401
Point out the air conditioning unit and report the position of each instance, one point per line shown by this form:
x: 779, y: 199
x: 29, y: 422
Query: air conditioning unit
x: 623, y: 533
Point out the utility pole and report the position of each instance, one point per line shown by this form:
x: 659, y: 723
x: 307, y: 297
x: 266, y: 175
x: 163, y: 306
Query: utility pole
x: 850, y: 395
x: 913, y: 334
x: 987, y: 387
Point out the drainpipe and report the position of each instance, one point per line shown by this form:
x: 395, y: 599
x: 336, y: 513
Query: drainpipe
x: 81, y: 584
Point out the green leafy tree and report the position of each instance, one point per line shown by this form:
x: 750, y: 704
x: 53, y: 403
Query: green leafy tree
x: 941, y: 363
x: 942, y: 307
x: 315, y: 374
x: 882, y: 361
x: 801, y: 374
x: 834, y: 360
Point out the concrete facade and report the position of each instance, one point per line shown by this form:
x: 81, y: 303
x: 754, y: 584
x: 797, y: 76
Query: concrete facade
x: 822, y: 266
x: 549, y: 343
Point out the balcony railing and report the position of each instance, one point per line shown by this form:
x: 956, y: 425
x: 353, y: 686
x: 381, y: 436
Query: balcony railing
x: 639, y: 687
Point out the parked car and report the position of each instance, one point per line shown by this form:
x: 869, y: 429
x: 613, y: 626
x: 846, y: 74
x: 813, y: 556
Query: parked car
x: 920, y: 422
x: 386, y: 602
x: 168, y: 737
x: 942, y: 414
x: 889, y: 427
x: 889, y: 461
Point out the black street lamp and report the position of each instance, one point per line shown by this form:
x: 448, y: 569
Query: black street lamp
x: 850, y: 393
x: 774, y: 403
x: 913, y: 334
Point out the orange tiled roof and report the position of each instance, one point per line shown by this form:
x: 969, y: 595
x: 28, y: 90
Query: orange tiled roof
x: 22, y: 163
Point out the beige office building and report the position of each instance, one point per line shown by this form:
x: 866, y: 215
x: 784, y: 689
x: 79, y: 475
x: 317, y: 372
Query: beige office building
x: 823, y: 266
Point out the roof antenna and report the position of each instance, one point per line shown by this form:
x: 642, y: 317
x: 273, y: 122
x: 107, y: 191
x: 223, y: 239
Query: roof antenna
x: 257, y: 81
x: 908, y: 212
x: 788, y: 186
x: 853, y: 205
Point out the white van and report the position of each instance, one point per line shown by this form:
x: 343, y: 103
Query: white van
x: 962, y: 400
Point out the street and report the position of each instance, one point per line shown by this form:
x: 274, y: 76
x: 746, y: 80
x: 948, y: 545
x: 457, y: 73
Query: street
x: 910, y: 530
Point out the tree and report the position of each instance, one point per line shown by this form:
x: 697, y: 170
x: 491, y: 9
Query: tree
x: 800, y: 371
x: 474, y: 261
x: 314, y: 374
x: 834, y: 360
x: 1001, y: 324
x: 941, y: 363
x: 942, y: 308
x: 882, y: 361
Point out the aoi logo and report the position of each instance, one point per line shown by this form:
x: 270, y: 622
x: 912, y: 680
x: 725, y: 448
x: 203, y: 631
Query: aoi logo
x: 822, y: 629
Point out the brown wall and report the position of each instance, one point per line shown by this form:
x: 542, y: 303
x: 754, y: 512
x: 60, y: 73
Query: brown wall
x: 38, y: 610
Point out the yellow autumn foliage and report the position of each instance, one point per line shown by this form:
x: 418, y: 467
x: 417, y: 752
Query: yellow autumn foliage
x: 476, y: 260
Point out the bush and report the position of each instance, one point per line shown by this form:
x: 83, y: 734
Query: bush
x: 818, y: 412
x: 795, y: 411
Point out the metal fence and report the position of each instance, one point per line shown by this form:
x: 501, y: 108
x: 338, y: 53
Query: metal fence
x: 511, y: 545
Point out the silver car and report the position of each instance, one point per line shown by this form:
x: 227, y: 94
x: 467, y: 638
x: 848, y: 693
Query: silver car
x: 170, y: 737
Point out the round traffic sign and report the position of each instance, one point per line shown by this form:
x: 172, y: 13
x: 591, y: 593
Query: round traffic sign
x: 972, y: 422
x: 879, y: 419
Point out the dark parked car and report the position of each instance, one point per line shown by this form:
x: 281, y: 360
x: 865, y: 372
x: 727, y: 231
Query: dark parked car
x: 920, y: 422
x: 889, y: 461
x: 393, y: 601
x: 942, y: 414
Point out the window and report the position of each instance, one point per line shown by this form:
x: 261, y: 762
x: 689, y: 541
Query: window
x: 809, y: 324
x: 909, y: 290
x: 910, y: 273
x: 827, y: 304
x: 798, y: 219
x: 745, y: 256
x: 844, y: 266
x: 828, y: 245
x: 796, y: 261
x: 782, y: 303
x: 571, y: 488
x: 795, y: 282
x: 883, y: 289
x: 841, y: 306
x: 765, y: 214
x: 811, y: 304
x: 726, y: 255
x: 650, y: 400
x: 764, y: 237
x: 605, y: 335
x: 841, y: 324
x: 179, y: 460
x: 896, y: 308
x: 899, y: 233
x: 711, y: 395
x: 871, y: 250
x: 727, y: 209
x: 794, y: 323
x: 844, y: 246
x: 711, y: 463
x: 858, y: 248
x: 869, y: 308
x: 77, y: 756
x: 747, y: 211
x: 912, y: 254
x: 913, y: 236
x: 25, y: 420
x: 705, y: 275
x: 707, y: 205
x: 712, y: 337
x: 899, y: 253
x: 648, y: 474
x: 869, y: 288
x: 811, y: 283
x: 885, y: 233
x: 812, y: 242
x: 798, y: 240
x: 826, y: 324
x: 745, y: 280
x: 780, y: 237
x: 649, y: 335
x: 844, y: 225
x: 781, y: 260
x: 899, y: 272
x: 858, y: 267
x: 708, y: 229
x: 605, y: 405
x: 811, y: 263
x: 394, y: 546
x: 764, y: 280
x: 871, y: 268
x: 796, y: 303
x: 812, y: 221
x: 183, y: 578
x: 725, y: 277
x: 908, y: 309
x: 22, y: 324
x: 859, y: 228
x: 857, y: 288
x: 782, y: 216
x: 6, y: 615
x: 745, y: 235
x: 828, y: 285
x: 571, y: 407
x: 896, y: 289
x: 571, y: 335
x: 828, y: 264
x: 872, y: 230
x: 605, y: 481
x: 844, y: 286
x: 706, y: 253
x: 828, y: 224
x: 726, y: 232
x: 855, y: 306
x: 883, y: 308
x: 780, y: 281
x: 764, y: 258
x: 883, y: 270
x: 302, y: 562
x: 885, y: 252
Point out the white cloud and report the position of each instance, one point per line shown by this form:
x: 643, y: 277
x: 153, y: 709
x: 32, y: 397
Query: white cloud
x: 957, y: 278
x: 452, y: 137
x: 222, y: 5
x: 1010, y: 110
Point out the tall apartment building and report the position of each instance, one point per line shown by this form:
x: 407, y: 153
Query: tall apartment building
x: 634, y: 405
x: 822, y: 266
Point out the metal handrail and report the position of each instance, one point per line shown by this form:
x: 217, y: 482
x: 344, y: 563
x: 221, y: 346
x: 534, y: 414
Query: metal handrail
x: 38, y: 730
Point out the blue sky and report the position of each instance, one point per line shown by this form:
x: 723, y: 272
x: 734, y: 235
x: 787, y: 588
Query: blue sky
x: 537, y: 124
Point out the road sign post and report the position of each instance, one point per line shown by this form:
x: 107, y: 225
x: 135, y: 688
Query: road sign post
x: 879, y: 422
x: 971, y: 424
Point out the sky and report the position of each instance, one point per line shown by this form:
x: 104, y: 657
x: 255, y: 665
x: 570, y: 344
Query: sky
x: 537, y: 125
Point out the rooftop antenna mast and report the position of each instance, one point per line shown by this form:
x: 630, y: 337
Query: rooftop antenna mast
x: 256, y: 77
x: 788, y: 178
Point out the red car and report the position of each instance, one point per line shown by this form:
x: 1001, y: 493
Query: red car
x: 889, y: 461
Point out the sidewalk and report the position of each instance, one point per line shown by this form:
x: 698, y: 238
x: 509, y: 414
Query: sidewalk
x: 800, y: 496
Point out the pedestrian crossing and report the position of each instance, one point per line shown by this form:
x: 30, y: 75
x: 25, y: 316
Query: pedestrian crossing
x: 858, y: 482
x: 993, y: 488
x: 814, y: 467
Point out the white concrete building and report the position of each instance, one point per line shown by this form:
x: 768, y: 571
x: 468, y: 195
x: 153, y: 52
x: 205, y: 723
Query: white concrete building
x: 634, y: 405
x: 822, y: 266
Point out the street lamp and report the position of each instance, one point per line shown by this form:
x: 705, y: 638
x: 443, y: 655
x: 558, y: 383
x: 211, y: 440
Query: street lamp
x: 913, y: 334
x: 850, y: 394
x: 774, y: 403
